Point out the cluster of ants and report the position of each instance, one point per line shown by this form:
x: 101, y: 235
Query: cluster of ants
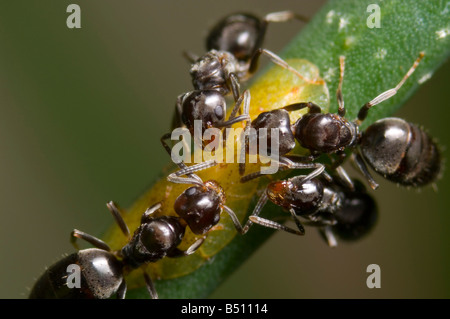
x: 329, y: 200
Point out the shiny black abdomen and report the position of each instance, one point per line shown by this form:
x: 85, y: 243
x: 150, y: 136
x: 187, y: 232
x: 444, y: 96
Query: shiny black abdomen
x: 401, y: 152
x: 100, y: 277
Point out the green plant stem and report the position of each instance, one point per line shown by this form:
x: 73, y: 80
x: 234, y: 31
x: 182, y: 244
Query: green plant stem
x: 376, y: 60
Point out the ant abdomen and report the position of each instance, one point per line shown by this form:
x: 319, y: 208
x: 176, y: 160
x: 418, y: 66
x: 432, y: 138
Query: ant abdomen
x: 100, y: 277
x: 357, y: 214
x: 241, y: 34
x: 401, y: 152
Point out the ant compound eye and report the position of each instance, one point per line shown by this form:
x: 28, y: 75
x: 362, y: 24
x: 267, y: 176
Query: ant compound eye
x: 219, y: 111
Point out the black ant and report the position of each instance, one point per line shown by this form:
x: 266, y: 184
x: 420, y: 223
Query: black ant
x: 234, y: 48
x: 394, y: 148
x: 398, y: 150
x: 233, y: 53
x: 401, y: 152
x: 210, y: 107
x: 201, y: 205
x: 102, y: 270
x: 334, y: 209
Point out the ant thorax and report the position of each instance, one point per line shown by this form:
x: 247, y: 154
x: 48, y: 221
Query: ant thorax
x: 331, y: 200
x: 212, y: 70
x: 325, y: 133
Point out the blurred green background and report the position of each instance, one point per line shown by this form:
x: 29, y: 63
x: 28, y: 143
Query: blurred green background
x: 81, y: 115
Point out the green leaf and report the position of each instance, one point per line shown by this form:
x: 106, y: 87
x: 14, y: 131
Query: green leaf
x: 376, y: 60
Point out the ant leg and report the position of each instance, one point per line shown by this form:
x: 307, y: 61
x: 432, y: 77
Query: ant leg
x: 279, y: 61
x: 179, y: 106
x: 345, y: 179
x: 115, y: 211
x: 286, y: 163
x: 122, y: 290
x: 297, y: 221
x: 181, y: 164
x: 78, y: 234
x: 254, y: 218
x: 339, y: 97
x: 235, y: 220
x: 235, y: 85
x: 341, y: 157
x: 328, y: 235
x: 166, y: 146
x: 387, y: 94
x: 244, y: 151
x: 271, y: 224
x: 245, y: 100
x: 190, y: 56
x: 358, y: 160
x: 318, y: 168
x: 283, y: 16
x: 256, y: 211
x: 191, y: 249
x: 146, y: 216
x: 150, y: 287
x: 303, y: 159
x: 251, y: 176
x: 192, y: 178
x: 235, y: 120
x: 313, y: 108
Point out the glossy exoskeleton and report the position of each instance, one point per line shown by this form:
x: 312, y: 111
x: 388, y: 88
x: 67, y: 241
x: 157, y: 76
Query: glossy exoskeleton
x: 102, y: 270
x: 400, y: 151
x: 233, y: 53
x: 334, y: 209
x: 234, y: 47
x: 99, y: 280
x: 278, y: 122
x: 202, y: 204
x: 210, y: 107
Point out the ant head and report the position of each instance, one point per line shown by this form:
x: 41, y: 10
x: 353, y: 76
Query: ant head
x: 215, y: 186
x: 277, y: 119
x: 302, y: 196
x: 240, y: 34
x: 200, y: 206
